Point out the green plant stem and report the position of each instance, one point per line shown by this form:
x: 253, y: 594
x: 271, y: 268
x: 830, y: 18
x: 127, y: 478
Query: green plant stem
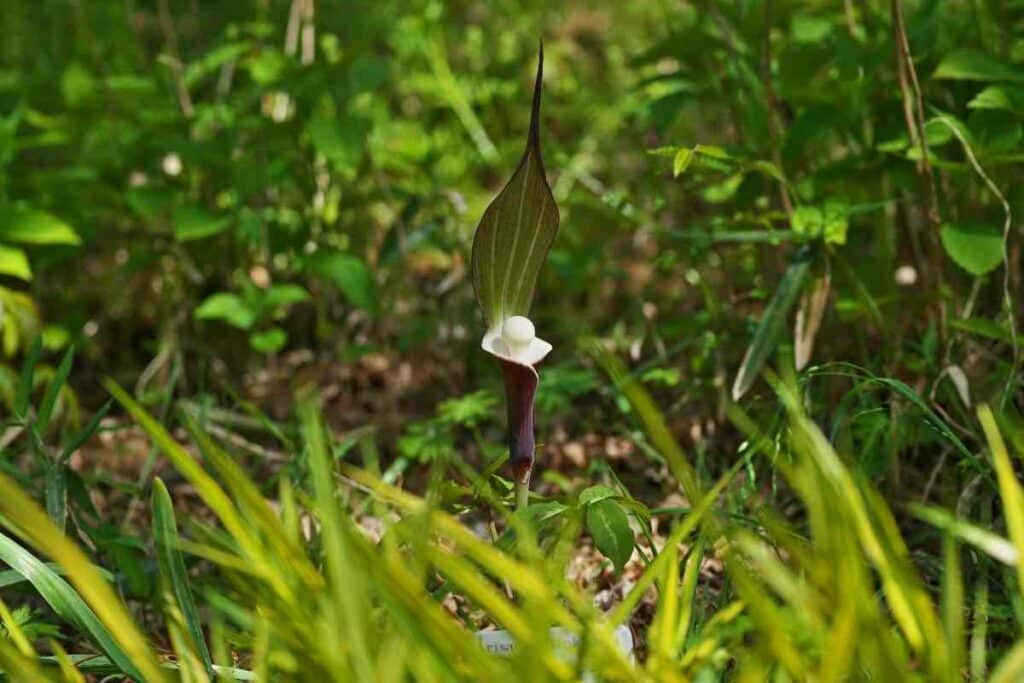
x: 523, y: 491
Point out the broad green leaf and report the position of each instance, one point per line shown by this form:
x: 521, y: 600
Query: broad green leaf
x: 31, y: 226
x: 973, y: 65
x: 172, y: 567
x: 194, y: 222
x: 608, y: 524
x: 975, y: 247
x: 681, y: 161
x: 772, y: 322
x: 268, y: 341
x: 983, y: 327
x: 516, y: 231
x: 284, y: 295
x: 14, y: 262
x: 348, y: 273
x: 228, y: 307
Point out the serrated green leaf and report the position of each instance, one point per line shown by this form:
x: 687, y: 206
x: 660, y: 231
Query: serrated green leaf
x: 194, y: 222
x: 975, y: 247
x: 31, y: 226
x: 172, y: 568
x: 516, y: 231
x: 228, y: 307
x: 767, y: 334
x: 14, y: 262
x: 609, y: 527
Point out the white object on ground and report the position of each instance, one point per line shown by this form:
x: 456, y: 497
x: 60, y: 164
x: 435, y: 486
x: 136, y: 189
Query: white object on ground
x: 502, y: 643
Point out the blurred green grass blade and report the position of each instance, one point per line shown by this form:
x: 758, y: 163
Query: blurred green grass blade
x: 953, y: 604
x: 688, y: 593
x: 979, y: 632
x: 63, y: 599
x: 14, y: 631
x: 206, y: 487
x: 64, y: 663
x: 344, y: 591
x: 172, y: 568
x: 1011, y: 668
x: 24, y: 390
x: 662, y: 636
x: 683, y: 529
x: 57, y: 494
x: 988, y: 542
x: 86, y: 432
x: 1009, y: 488
x: 766, y: 336
x: 19, y: 667
x: 60, y: 377
x: 651, y: 418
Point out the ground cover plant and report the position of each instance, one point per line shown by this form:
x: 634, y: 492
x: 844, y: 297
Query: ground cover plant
x: 276, y: 277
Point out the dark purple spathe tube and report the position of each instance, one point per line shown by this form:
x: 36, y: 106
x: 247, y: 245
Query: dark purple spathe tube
x: 520, y: 389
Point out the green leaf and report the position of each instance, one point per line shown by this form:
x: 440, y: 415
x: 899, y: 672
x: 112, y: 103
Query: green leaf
x: 767, y: 334
x: 609, y: 526
x: 681, y: 161
x: 25, y: 380
x: 973, y: 65
x: 31, y: 226
x: 268, y: 341
x: 13, y: 262
x: 594, y: 494
x: 975, y: 247
x: 228, y: 307
x: 998, y: 97
x: 172, y: 567
x: 281, y: 296
x: 63, y: 599
x: 194, y: 222
x: 348, y: 273
x: 516, y: 231
x: 53, y: 391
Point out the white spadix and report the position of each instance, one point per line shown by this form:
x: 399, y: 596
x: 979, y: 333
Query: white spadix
x: 515, y: 339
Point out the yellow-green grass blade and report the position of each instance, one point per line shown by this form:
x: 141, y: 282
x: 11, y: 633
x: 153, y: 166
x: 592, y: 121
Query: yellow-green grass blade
x: 107, y: 622
x: 1009, y: 489
x: 20, y: 667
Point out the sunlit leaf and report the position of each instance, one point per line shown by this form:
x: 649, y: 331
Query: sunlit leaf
x: 31, y: 226
x: 14, y: 262
x: 975, y: 247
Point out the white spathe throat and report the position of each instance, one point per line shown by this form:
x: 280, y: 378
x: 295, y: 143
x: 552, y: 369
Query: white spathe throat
x: 515, y: 339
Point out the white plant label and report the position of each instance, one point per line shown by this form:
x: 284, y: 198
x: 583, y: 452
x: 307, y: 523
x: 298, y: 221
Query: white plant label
x: 502, y: 643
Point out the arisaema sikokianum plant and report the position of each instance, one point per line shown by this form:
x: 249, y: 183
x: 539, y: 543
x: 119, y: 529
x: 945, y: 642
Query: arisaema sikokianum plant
x: 509, y: 248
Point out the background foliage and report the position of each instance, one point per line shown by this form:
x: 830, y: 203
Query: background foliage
x: 258, y: 216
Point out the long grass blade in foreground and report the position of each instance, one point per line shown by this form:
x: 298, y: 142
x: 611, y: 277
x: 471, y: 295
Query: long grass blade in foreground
x: 108, y: 622
x: 172, y: 569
